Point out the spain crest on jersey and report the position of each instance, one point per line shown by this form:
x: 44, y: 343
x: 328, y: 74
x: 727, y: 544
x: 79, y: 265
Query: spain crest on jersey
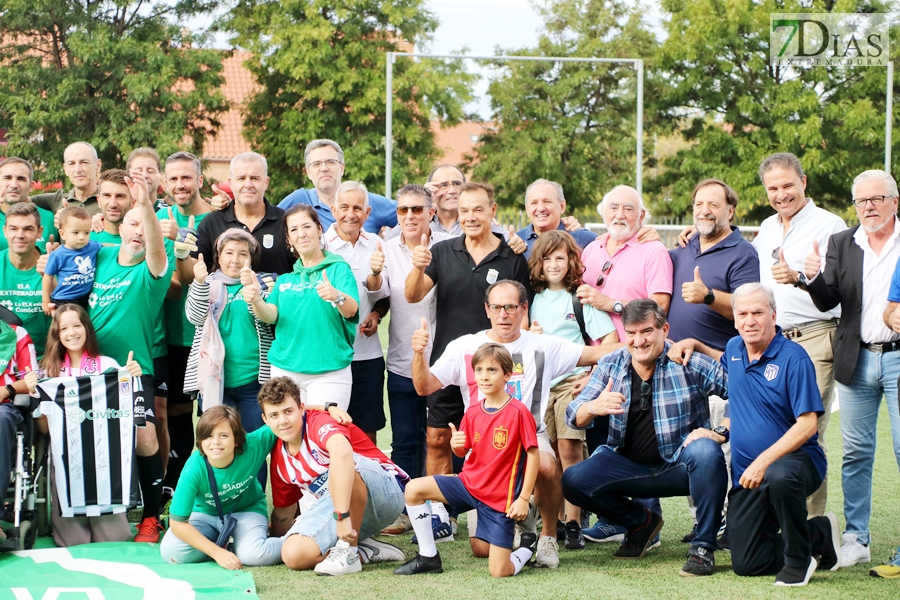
x: 501, y: 437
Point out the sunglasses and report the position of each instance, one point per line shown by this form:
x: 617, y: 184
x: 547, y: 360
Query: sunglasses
x: 646, y: 391
x: 416, y: 210
x: 602, y: 278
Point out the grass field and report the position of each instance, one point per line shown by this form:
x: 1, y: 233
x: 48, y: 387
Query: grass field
x: 594, y: 573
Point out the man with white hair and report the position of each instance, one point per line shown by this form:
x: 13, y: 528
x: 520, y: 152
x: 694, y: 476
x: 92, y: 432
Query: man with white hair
x: 857, y: 275
x: 325, y: 166
x: 545, y: 204
x: 617, y: 267
x: 249, y: 179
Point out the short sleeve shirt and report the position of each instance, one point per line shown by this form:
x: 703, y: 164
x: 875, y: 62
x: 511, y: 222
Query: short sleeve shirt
x: 46, y: 222
x: 583, y: 237
x: 21, y: 292
x: 74, y: 270
x: 461, y: 285
x: 179, y: 331
x: 275, y: 256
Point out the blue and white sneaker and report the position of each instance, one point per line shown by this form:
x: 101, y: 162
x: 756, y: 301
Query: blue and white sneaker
x: 603, y: 532
x: 655, y: 543
x: 443, y: 532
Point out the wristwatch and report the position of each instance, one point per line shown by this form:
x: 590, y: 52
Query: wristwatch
x: 340, y: 299
x: 723, y: 431
x: 618, y: 307
x: 801, y: 279
x: 328, y: 405
x: 710, y: 296
x: 340, y: 516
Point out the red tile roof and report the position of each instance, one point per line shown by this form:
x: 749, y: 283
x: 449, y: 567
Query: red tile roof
x: 239, y: 86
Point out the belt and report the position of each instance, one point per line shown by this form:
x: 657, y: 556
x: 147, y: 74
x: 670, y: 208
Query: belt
x: 882, y: 347
x: 809, y: 327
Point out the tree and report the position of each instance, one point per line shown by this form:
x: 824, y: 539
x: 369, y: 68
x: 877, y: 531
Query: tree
x: 569, y: 122
x: 720, y: 93
x: 119, y: 75
x: 321, y: 65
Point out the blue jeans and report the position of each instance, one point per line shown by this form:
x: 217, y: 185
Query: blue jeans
x: 252, y: 544
x: 407, y: 425
x: 244, y: 399
x: 875, y: 375
x: 606, y: 482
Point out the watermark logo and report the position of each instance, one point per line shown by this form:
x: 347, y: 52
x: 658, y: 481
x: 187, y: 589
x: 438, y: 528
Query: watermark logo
x: 829, y: 40
x: 77, y: 415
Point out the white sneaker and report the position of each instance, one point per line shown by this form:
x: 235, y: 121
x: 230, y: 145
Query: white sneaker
x: 547, y: 556
x: 852, y: 552
x: 341, y: 560
x: 373, y: 551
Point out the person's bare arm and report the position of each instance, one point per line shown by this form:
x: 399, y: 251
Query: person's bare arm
x: 282, y: 519
x: 892, y: 316
x: 418, y: 284
x: 423, y: 380
x: 341, y: 473
x: 663, y: 300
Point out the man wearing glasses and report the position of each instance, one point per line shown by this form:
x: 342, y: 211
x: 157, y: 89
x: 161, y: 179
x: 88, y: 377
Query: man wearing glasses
x: 325, y: 166
x: 857, y: 275
x: 538, y: 359
x: 660, y: 442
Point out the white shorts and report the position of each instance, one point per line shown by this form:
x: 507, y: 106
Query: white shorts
x: 316, y: 390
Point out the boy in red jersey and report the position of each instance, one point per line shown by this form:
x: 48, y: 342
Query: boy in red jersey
x: 497, y: 479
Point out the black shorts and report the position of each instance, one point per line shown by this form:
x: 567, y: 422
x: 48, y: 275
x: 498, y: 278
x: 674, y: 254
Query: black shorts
x: 160, y: 376
x: 177, y: 365
x: 367, y: 394
x: 444, y: 407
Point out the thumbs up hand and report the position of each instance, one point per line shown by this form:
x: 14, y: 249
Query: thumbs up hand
x: 812, y: 264
x: 457, y: 439
x: 250, y: 283
x: 31, y: 380
x: 326, y: 290
x: 609, y: 402
x: 694, y: 291
x: 185, y: 239
x: 132, y: 365
x: 169, y: 226
x: 64, y: 205
x: 200, y: 271
x: 781, y: 272
x: 220, y: 200
x: 516, y: 244
x: 420, y: 337
x: 376, y: 263
x: 421, y: 254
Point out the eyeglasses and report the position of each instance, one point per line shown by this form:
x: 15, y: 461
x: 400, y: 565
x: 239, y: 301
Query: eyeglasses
x: 509, y: 308
x: 444, y: 185
x: 876, y: 200
x: 646, y: 391
x: 331, y: 162
x: 416, y: 210
x: 602, y: 278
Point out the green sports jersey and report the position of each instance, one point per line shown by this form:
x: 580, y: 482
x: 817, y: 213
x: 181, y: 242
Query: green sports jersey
x: 159, y: 331
x: 104, y: 237
x: 179, y: 331
x: 20, y: 292
x: 125, y: 305
x: 237, y: 484
x: 238, y: 329
x: 41, y: 243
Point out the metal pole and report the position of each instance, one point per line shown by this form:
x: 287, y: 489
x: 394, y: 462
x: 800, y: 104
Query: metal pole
x: 639, y: 176
x: 889, y: 117
x: 389, y: 124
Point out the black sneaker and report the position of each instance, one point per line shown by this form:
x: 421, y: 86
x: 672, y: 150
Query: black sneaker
x: 830, y: 557
x: 724, y: 541
x: 420, y: 564
x: 639, y: 538
x: 529, y: 540
x: 689, y: 537
x: 700, y: 562
x: 574, y: 538
x: 560, y: 530
x: 794, y: 576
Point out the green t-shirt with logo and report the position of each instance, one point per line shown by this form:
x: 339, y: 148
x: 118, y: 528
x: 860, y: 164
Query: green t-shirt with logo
x: 125, y: 305
x: 159, y: 331
x: 238, y: 488
x: 238, y: 330
x: 20, y: 292
x: 179, y: 331
x: 41, y: 243
x: 104, y: 237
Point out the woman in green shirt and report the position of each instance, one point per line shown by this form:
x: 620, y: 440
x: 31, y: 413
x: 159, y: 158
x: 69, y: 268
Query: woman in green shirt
x: 235, y: 457
x: 315, y: 308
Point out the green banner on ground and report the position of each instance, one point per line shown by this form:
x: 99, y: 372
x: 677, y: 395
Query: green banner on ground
x: 114, y: 571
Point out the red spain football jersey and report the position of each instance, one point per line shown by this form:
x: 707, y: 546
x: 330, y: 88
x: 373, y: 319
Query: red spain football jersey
x: 494, y: 469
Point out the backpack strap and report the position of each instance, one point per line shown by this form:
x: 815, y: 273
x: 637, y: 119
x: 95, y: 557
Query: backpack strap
x: 578, y: 309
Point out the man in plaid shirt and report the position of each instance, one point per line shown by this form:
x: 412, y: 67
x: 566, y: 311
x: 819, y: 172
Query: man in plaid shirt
x: 660, y: 443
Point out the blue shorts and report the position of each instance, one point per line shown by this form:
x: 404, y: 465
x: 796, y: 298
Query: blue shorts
x: 494, y: 527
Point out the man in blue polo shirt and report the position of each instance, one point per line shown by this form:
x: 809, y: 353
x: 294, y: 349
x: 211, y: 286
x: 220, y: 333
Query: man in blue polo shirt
x: 774, y: 404
x: 325, y: 167
x: 545, y: 205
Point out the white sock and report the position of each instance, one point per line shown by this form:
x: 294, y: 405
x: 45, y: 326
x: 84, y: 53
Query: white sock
x: 438, y: 508
x: 420, y: 517
x: 519, y: 558
x: 355, y: 550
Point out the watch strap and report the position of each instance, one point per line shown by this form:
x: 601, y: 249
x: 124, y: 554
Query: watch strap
x: 340, y: 516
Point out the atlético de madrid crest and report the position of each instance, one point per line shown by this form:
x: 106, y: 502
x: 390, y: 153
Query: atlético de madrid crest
x: 771, y: 372
x: 501, y: 437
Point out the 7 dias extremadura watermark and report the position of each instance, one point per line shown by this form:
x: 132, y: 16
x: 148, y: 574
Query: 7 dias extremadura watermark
x: 829, y: 40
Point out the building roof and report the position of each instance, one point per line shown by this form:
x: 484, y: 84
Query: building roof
x: 239, y: 87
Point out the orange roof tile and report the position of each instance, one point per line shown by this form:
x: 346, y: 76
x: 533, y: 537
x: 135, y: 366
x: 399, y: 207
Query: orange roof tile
x: 458, y: 140
x: 239, y: 86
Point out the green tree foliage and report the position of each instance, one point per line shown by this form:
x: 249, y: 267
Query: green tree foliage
x: 321, y: 64
x: 719, y: 92
x: 114, y: 73
x: 569, y: 122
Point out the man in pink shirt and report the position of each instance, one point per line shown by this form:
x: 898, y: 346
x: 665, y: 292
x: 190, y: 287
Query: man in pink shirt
x: 618, y: 268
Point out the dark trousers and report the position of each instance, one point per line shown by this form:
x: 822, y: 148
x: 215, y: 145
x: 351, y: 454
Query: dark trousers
x: 606, y: 482
x: 756, y: 516
x: 407, y: 425
x: 10, y: 417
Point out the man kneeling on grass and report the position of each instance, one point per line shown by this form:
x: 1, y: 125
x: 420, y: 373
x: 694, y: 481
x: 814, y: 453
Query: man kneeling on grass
x: 350, y: 490
x: 497, y: 478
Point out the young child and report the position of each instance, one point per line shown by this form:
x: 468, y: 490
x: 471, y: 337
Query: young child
x: 556, y: 272
x: 73, y: 264
x: 194, y: 525
x: 497, y: 478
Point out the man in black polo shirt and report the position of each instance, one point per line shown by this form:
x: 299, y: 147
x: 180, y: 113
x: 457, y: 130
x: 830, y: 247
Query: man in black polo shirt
x: 462, y: 269
x: 248, y: 177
